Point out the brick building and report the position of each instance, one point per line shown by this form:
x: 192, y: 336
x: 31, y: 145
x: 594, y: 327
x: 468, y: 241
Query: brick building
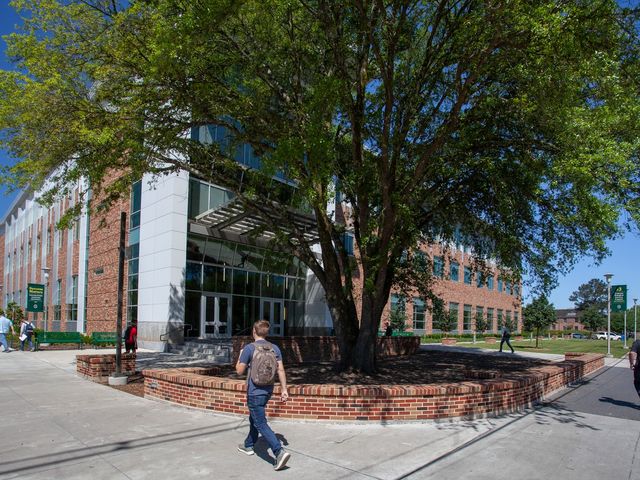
x: 567, y: 319
x: 196, y: 268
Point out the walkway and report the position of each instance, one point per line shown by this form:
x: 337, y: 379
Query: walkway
x: 58, y: 426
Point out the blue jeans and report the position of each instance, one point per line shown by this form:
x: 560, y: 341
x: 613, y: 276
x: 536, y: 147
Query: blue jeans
x: 28, y: 339
x: 258, y: 423
x: 3, y: 341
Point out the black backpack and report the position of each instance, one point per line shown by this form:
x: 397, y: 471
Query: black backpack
x: 28, y: 329
x: 127, y: 332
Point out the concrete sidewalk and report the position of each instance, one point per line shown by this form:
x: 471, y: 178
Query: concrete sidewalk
x: 58, y: 426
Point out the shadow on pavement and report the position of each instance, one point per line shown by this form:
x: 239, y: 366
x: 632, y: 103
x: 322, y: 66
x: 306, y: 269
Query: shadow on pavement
x: 66, y: 456
x: 619, y: 403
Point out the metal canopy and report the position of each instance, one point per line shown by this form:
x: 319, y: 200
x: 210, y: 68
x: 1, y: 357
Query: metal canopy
x: 233, y: 218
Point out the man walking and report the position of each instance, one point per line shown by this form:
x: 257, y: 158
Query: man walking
x: 634, y: 363
x: 5, y: 327
x: 506, y: 336
x: 26, y: 333
x: 265, y: 359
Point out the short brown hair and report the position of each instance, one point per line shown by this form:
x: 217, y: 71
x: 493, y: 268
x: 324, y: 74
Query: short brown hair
x: 261, y: 328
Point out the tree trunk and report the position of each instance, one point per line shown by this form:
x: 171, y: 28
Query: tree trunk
x: 537, y: 335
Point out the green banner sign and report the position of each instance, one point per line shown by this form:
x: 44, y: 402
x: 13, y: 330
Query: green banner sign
x: 618, y: 298
x: 35, y: 297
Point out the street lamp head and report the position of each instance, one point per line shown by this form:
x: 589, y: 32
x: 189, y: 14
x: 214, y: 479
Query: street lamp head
x: 45, y: 272
x: 608, y: 277
x: 635, y: 300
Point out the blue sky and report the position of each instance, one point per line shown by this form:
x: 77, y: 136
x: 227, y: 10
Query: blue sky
x: 624, y: 261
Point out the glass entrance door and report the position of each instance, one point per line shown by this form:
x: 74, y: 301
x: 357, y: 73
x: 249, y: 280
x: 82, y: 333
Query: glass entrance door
x: 215, y: 315
x: 273, y: 310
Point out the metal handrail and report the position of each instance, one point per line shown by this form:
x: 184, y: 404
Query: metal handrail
x: 164, y: 336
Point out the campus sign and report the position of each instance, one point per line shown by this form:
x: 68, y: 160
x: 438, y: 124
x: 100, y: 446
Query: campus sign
x: 618, y: 298
x: 35, y: 297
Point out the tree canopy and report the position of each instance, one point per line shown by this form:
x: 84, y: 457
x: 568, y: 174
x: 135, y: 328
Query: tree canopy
x: 592, y: 294
x: 538, y: 315
x: 513, y: 124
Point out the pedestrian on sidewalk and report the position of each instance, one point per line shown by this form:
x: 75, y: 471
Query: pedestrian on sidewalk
x: 264, y: 360
x: 26, y: 334
x: 131, y: 338
x: 634, y: 363
x: 506, y: 336
x: 5, y: 327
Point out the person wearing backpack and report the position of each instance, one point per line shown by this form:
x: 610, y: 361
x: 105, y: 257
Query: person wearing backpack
x: 130, y: 338
x: 26, y: 334
x: 264, y: 361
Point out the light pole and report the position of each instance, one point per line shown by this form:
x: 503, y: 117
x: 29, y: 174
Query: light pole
x: 635, y: 319
x: 608, y: 277
x: 45, y: 313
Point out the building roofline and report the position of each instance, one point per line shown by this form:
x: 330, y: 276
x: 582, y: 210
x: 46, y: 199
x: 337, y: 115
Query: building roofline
x: 24, y: 195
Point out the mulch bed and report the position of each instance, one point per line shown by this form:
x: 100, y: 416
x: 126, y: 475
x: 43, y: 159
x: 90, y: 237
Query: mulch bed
x: 431, y: 367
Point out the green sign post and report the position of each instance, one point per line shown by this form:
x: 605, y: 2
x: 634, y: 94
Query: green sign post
x: 618, y: 298
x: 35, y: 297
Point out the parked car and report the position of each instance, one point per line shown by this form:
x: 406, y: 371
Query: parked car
x: 603, y: 336
x: 578, y: 335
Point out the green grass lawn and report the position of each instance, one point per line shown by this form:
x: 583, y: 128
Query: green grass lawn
x: 559, y: 346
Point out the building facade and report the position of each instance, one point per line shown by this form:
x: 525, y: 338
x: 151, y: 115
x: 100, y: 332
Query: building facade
x: 199, y: 266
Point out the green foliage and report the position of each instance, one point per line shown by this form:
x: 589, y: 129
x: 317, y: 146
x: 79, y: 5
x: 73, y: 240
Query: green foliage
x: 481, y: 323
x: 15, y: 313
x: 398, y: 319
x: 592, y: 294
x: 501, y: 117
x: 538, y: 315
x: 593, y: 318
x: 86, y: 339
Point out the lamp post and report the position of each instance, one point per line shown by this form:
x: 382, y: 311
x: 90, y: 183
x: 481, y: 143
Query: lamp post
x: 45, y: 313
x: 608, y: 277
x: 635, y: 319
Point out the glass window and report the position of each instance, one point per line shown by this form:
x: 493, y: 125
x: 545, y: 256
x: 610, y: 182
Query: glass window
x: 467, y: 275
x: 499, y: 284
x: 454, y: 271
x: 479, y: 279
x: 240, y: 282
x: 438, y: 267
x: 133, y: 282
x: 198, y: 198
x: 192, y: 302
x: 490, y: 282
x: 466, y: 318
x: 253, y: 284
x: 193, y: 276
x: 418, y: 314
x: 454, y: 311
x: 212, y: 251
x: 136, y: 196
x: 195, y: 247
x: 490, y: 318
x: 500, y: 318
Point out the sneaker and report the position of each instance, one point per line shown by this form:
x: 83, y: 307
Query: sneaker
x: 282, y: 459
x: 245, y: 450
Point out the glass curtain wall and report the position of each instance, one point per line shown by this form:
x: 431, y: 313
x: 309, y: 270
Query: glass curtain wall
x: 246, y: 274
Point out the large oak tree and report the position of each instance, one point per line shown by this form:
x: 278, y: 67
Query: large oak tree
x: 513, y: 123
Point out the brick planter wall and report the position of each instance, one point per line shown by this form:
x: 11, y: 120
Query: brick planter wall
x: 449, y: 341
x: 325, y: 349
x: 490, y: 395
x: 97, y: 368
x: 490, y: 339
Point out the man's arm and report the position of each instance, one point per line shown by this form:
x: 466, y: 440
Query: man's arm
x: 633, y: 356
x: 240, y: 366
x: 282, y: 377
